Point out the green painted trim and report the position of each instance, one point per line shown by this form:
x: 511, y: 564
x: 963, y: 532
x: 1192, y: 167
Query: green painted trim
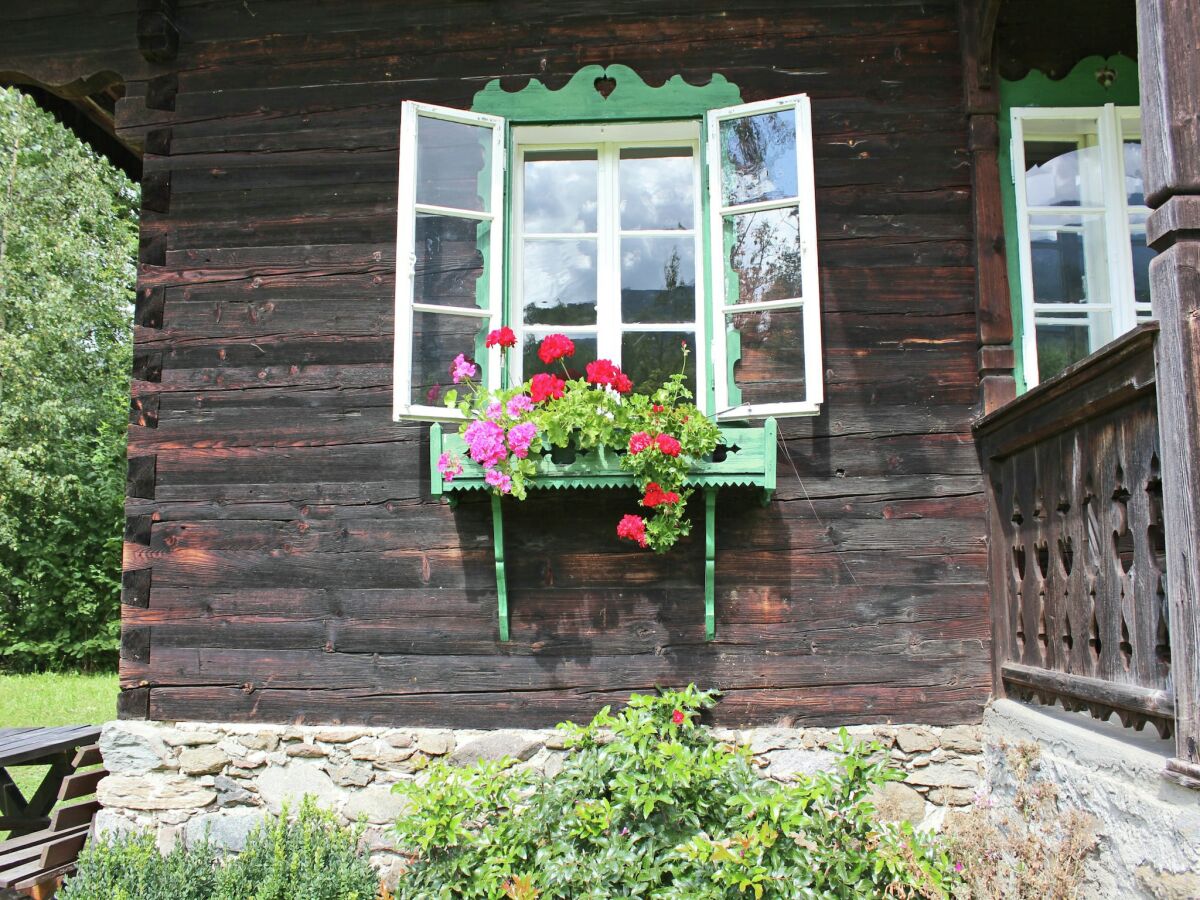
x: 710, y: 563
x: 1078, y: 88
x: 579, y: 101
x: 501, y: 579
x: 708, y: 327
x: 435, y: 450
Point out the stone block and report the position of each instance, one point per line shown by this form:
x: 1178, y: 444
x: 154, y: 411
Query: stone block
x: 497, y: 745
x: 207, y: 760
x: 896, y: 802
x: 377, y: 804
x: 289, y: 784
x: 963, y: 738
x: 227, y: 830
x: 435, y: 743
x: 150, y: 793
x: 788, y: 765
x: 915, y: 738
x: 134, y: 748
x: 944, y: 775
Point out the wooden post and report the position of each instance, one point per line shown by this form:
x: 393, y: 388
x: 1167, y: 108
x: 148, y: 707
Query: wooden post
x: 1169, y: 70
x: 501, y: 579
x: 981, y: 103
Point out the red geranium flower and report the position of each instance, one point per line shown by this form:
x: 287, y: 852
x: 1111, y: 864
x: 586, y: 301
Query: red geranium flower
x: 656, y: 496
x: 677, y: 717
x: 639, y: 442
x: 602, y: 371
x: 621, y: 383
x: 545, y: 387
x: 668, y: 445
x: 501, y: 337
x: 555, y: 346
x: 658, y: 407
x: 632, y: 528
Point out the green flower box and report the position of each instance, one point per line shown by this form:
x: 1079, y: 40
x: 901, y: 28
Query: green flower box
x: 744, y: 458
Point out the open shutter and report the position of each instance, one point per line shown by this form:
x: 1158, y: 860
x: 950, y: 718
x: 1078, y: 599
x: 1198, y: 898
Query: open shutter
x: 449, y: 253
x: 766, y: 328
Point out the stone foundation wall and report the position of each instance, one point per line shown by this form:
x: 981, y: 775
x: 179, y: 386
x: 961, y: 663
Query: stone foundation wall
x: 186, y: 779
x: 1149, y: 827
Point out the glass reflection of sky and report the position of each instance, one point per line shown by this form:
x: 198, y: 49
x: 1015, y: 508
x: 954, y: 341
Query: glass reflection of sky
x: 452, y: 157
x: 1058, y: 181
x: 1133, y: 174
x: 560, y: 195
x: 560, y: 273
x: 758, y: 157
x: 656, y: 192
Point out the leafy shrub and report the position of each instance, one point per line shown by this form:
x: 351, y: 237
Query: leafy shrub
x: 310, y: 857
x: 131, y: 868
x: 649, y: 804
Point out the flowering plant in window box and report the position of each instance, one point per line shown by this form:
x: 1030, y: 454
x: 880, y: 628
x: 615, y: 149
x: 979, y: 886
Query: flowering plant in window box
x: 657, y: 435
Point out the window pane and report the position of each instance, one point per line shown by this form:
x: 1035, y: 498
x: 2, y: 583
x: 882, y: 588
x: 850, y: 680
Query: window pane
x: 650, y: 358
x: 560, y: 191
x: 559, y: 282
x: 1060, y: 345
x: 437, y: 340
x: 1135, y: 193
x: 656, y: 189
x: 771, y: 369
x: 576, y: 365
x: 764, y: 253
x: 1141, y: 258
x: 758, y: 157
x: 1060, y: 173
x: 453, y: 164
x: 658, y: 279
x: 449, y: 262
x: 1070, y: 261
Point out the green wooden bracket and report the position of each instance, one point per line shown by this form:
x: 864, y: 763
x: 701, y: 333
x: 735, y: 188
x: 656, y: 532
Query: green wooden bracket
x: 710, y: 563
x: 501, y: 580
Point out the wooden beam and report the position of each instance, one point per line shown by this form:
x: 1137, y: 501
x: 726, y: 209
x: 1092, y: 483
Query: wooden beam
x: 157, y: 34
x: 986, y: 41
x: 1169, y: 70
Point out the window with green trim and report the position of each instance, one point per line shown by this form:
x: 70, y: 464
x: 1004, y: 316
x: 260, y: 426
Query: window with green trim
x: 629, y: 236
x: 1081, y: 227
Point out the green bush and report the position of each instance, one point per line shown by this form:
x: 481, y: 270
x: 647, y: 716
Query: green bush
x: 131, y: 868
x: 310, y: 857
x: 649, y: 804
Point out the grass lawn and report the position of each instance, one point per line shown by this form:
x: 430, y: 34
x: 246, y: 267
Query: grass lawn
x: 53, y: 699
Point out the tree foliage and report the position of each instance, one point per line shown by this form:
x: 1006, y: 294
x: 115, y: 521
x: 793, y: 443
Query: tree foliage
x: 68, y: 241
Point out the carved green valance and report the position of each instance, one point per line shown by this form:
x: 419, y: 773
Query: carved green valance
x: 606, y: 93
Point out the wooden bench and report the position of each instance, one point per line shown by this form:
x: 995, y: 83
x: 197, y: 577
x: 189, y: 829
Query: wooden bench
x: 34, y: 864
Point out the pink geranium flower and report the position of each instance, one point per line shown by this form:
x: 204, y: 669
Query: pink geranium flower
x: 632, y: 528
x: 449, y: 466
x: 485, y: 442
x: 519, y: 404
x: 462, y: 369
x: 498, y: 479
x: 520, y: 437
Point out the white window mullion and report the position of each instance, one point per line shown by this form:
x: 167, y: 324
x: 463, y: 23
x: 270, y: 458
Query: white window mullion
x: 1116, y: 222
x: 608, y: 256
x: 1028, y: 314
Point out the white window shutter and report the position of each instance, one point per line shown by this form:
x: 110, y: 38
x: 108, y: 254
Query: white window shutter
x: 766, y: 328
x: 449, y: 254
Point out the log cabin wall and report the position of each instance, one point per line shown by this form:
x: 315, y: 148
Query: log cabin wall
x: 285, y: 561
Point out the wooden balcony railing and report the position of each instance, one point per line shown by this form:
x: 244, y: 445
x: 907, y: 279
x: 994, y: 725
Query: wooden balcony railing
x: 1077, y: 551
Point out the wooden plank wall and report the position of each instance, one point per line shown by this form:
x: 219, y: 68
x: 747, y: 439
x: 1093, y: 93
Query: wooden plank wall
x: 285, y: 560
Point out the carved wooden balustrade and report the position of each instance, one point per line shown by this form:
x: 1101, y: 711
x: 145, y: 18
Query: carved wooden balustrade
x: 1077, y: 553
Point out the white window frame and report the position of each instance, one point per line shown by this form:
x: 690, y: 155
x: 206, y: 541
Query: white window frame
x: 607, y: 140
x: 1121, y: 305
x: 809, y: 303
x: 406, y: 259
x: 503, y: 266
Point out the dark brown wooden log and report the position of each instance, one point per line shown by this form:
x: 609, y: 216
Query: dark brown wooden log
x: 1169, y: 66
